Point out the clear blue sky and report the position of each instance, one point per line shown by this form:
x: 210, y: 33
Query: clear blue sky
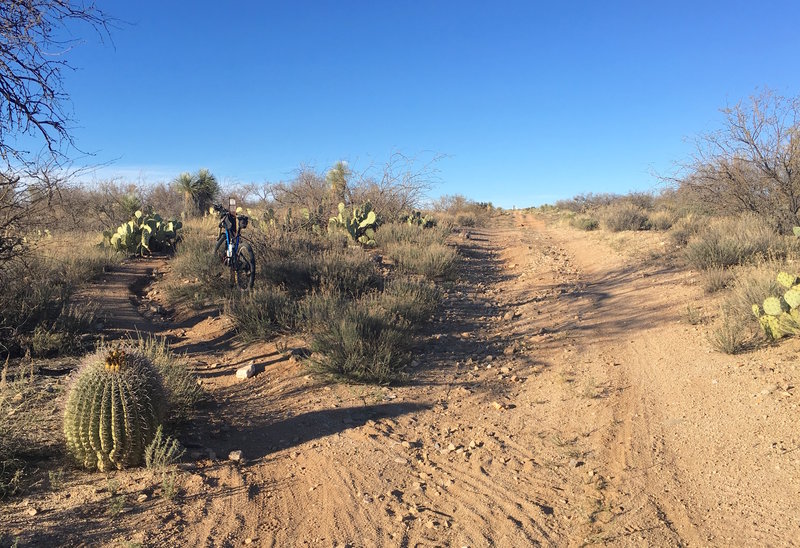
x: 530, y: 101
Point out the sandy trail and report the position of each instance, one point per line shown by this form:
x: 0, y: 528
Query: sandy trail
x: 559, y: 398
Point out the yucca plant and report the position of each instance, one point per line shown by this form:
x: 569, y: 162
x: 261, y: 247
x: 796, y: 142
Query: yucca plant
x: 199, y: 190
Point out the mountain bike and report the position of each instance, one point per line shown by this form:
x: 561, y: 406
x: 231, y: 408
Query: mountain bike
x: 238, y: 257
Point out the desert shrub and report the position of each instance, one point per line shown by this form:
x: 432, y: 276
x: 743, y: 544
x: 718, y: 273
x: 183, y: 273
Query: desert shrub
x: 751, y: 286
x: 716, y: 279
x: 624, y: 215
x: 732, y: 334
x: 466, y: 220
x: 586, y: 202
x: 435, y: 261
x: 24, y: 411
x: 685, y: 228
x: 661, y: 220
x: 36, y: 309
x: 319, y: 307
x: 262, y: 312
x: 411, y: 299
x: 163, y: 452
x: 393, y: 233
x: 195, y: 261
x: 363, y: 343
x: 348, y: 271
x: 731, y: 241
x: 584, y: 222
x: 180, y: 384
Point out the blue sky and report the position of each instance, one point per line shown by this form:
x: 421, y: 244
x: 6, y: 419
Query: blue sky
x: 528, y: 101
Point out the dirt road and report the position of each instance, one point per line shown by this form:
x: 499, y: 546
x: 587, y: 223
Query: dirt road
x: 560, y: 398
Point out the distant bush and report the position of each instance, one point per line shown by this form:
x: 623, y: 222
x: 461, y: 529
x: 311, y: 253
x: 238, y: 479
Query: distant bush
x: 660, y: 220
x: 584, y: 222
x: 624, y: 216
x: 685, y: 228
x: 404, y: 233
x: 731, y: 241
x: 466, y: 220
x: 195, y: 261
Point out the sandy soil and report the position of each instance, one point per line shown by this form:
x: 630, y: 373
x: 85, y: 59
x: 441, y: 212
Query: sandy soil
x: 560, y: 398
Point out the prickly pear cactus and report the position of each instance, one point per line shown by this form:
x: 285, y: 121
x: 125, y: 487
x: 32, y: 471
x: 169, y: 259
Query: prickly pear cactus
x: 113, y: 409
x: 144, y: 234
x: 780, y: 316
x: 360, y: 225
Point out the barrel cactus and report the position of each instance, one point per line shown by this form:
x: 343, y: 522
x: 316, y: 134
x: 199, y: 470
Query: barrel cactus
x: 113, y: 409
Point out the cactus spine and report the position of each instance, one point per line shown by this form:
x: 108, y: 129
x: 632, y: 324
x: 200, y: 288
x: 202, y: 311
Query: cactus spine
x: 113, y: 409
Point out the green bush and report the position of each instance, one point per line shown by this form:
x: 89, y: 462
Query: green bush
x: 262, y: 312
x: 362, y: 344
x: 320, y: 307
x: 410, y: 299
x: 347, y: 271
x: 734, y: 241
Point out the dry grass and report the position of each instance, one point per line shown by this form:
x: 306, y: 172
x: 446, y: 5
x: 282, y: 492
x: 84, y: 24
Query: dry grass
x: 624, y: 215
x: 727, y: 242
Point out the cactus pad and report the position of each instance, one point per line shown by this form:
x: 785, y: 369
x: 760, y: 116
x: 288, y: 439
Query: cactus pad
x: 787, y: 280
x: 113, y: 409
x: 774, y: 306
x: 792, y: 298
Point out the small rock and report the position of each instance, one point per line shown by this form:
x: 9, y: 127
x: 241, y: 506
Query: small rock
x: 236, y: 456
x: 489, y: 358
x: 508, y: 316
x: 400, y: 460
x: 31, y: 511
x: 508, y: 350
x: 451, y: 447
x: 505, y: 370
x: 497, y: 405
x: 246, y: 372
x: 248, y: 540
x: 141, y: 498
x: 769, y: 389
x: 575, y: 463
x: 406, y: 444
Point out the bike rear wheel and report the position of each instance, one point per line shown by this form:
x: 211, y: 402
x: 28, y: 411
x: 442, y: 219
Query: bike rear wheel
x: 245, y: 267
